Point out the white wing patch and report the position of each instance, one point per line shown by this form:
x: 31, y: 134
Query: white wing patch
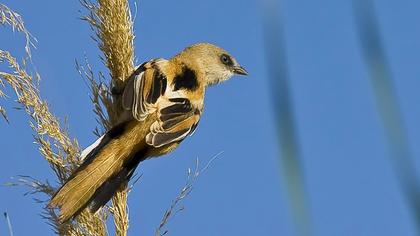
x: 89, y: 149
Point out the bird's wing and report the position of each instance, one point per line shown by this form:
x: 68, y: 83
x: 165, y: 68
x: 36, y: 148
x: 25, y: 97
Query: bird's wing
x: 175, y: 121
x: 143, y: 89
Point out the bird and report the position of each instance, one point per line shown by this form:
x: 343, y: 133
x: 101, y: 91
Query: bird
x: 162, y: 103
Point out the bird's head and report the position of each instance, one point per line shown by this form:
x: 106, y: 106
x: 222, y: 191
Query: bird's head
x: 213, y: 62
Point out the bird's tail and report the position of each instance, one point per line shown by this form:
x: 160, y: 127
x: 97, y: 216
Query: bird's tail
x: 104, y: 169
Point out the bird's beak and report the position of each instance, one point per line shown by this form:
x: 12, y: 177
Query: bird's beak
x: 239, y: 70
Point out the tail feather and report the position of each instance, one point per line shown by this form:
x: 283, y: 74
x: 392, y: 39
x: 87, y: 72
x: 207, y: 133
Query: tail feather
x: 102, y: 172
x: 77, y: 192
x: 108, y: 189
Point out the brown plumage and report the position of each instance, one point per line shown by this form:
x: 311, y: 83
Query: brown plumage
x: 163, y: 102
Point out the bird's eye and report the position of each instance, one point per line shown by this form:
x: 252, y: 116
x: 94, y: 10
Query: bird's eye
x: 225, y: 59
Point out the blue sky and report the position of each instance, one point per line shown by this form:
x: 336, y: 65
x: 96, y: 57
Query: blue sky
x: 351, y: 186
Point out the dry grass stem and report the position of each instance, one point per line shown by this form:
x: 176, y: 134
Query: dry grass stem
x: 9, y: 223
x: 3, y: 113
x: 14, y: 20
x: 54, y: 143
x: 175, y: 207
x: 63, y: 151
x: 120, y: 211
x: 100, y: 96
x: 112, y: 24
x: 113, y: 28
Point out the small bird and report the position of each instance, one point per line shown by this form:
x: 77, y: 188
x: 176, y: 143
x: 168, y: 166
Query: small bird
x: 163, y: 101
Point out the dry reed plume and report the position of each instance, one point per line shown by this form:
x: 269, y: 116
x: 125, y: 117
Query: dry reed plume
x: 112, y: 23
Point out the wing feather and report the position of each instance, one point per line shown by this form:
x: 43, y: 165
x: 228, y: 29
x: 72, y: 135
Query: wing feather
x: 175, y: 122
x: 143, y: 90
x: 176, y: 116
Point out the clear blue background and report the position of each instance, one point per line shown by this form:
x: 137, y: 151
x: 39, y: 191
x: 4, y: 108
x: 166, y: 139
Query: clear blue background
x: 352, y: 189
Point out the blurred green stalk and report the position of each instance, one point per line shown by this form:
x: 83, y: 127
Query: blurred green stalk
x: 288, y: 141
x: 387, y: 106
